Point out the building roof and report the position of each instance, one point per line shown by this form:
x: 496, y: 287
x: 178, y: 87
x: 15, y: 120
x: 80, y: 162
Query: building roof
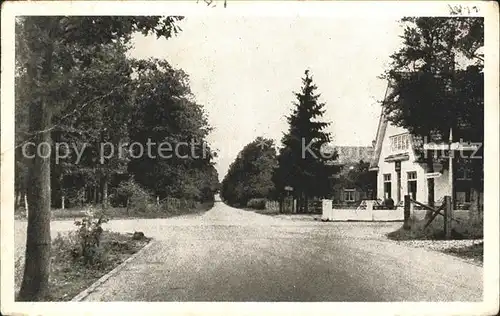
x: 415, y: 142
x: 382, y: 127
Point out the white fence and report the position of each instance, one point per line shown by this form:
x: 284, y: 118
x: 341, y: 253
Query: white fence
x: 289, y: 206
x: 273, y: 206
x: 359, y: 214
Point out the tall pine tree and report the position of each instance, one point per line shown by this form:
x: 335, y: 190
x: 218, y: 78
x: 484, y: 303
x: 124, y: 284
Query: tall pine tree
x: 302, y: 162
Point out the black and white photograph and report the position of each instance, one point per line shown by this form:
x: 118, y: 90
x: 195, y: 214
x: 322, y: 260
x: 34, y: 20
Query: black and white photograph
x: 303, y: 157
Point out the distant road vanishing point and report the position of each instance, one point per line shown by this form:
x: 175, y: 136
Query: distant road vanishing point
x: 217, y: 198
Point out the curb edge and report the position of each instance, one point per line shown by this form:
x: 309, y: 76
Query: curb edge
x: 83, y: 294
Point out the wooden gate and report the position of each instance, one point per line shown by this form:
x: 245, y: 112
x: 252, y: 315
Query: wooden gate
x: 444, y: 210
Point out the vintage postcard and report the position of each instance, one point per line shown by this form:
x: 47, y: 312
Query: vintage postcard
x: 233, y: 157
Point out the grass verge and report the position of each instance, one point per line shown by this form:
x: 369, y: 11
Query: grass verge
x: 466, y: 229
x: 69, y: 276
x: 263, y: 212
x: 122, y: 212
x: 474, y: 252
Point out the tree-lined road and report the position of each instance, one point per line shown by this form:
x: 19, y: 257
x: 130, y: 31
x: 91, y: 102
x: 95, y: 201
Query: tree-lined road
x: 228, y: 254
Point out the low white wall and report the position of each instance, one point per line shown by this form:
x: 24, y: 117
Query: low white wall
x: 368, y: 214
x: 388, y: 215
x: 345, y: 215
x: 364, y: 215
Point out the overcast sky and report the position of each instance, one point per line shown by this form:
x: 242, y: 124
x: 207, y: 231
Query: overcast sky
x: 244, y: 71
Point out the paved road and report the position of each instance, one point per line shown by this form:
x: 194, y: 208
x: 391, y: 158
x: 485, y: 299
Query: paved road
x: 232, y: 255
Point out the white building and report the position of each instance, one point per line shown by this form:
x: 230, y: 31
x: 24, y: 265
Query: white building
x: 400, y: 173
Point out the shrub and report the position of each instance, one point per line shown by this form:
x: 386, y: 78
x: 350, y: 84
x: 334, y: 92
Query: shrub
x: 89, y: 238
x: 258, y: 203
x: 473, y: 228
x: 74, y: 197
x: 136, y: 197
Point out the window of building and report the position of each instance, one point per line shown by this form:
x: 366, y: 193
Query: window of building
x: 412, y: 184
x: 463, y: 173
x: 387, y: 185
x: 463, y: 197
x: 412, y: 175
x: 349, y: 195
x: 400, y: 142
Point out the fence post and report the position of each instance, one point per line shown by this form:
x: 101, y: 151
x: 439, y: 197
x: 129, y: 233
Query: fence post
x: 407, y: 208
x: 326, y: 209
x: 447, y: 216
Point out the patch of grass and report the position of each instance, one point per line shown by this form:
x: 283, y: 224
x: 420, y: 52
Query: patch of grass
x: 123, y: 213
x: 69, y: 275
x: 474, y: 252
x: 466, y: 229
x: 263, y: 212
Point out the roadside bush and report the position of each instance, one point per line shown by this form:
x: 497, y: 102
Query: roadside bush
x: 473, y: 228
x: 135, y: 196
x: 258, y: 203
x: 89, y: 238
x: 66, y: 247
x: 75, y: 197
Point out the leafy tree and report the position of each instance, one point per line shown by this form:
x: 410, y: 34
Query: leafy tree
x: 135, y: 196
x: 250, y: 175
x: 360, y: 176
x: 103, y: 123
x: 303, y: 164
x: 165, y: 114
x: 437, y: 81
x: 47, y: 48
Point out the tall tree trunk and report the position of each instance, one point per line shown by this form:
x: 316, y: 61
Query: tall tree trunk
x: 95, y: 195
x: 25, y: 195
x: 475, y: 211
x: 61, y: 188
x: 474, y: 206
x: 19, y: 198
x: 16, y: 197
x: 306, y: 203
x: 35, y: 284
x: 430, y: 184
x: 281, y: 203
x: 105, y: 192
